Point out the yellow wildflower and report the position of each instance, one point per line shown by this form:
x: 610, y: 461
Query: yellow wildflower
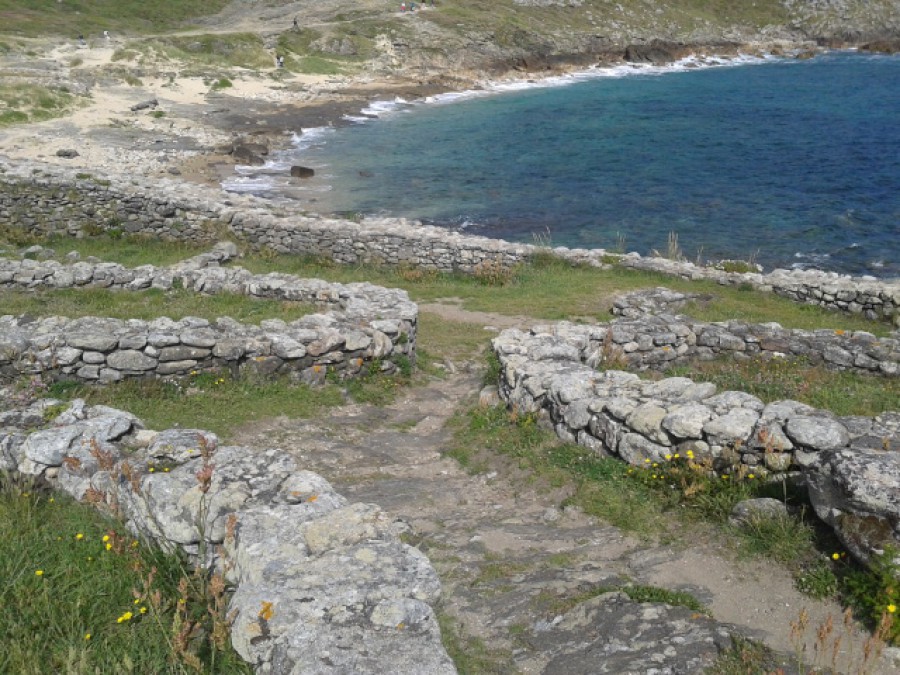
x: 87, y: 636
x: 127, y: 616
x: 79, y: 536
x: 39, y: 573
x: 892, y: 608
x: 835, y: 556
x: 105, y: 538
x: 109, y: 547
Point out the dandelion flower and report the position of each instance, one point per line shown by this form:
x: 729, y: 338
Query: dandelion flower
x: 105, y: 538
x: 751, y: 476
x: 676, y: 456
x: 143, y: 610
x: 166, y: 470
x: 668, y: 457
x: 151, y: 469
x: 892, y: 608
x: 835, y: 556
x: 646, y: 461
x: 134, y: 544
x: 39, y: 573
x: 87, y: 636
x: 109, y: 547
x: 127, y: 616
x: 79, y: 536
x: 690, y: 454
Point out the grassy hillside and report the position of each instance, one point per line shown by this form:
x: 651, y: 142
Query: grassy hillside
x: 34, y: 18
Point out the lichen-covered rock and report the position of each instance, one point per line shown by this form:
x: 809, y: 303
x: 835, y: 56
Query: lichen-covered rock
x: 631, y: 637
x: 858, y: 494
x: 320, y: 586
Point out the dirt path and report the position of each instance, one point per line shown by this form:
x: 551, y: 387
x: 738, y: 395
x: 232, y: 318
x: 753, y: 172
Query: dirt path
x: 501, y: 544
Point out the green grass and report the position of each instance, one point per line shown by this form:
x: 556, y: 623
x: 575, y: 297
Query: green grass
x: 150, y: 304
x: 64, y: 592
x: 71, y: 17
x: 22, y: 103
x: 207, y: 401
x: 548, y: 289
x: 553, y: 289
x: 316, y: 65
x: 129, y: 251
x: 842, y: 392
x: 241, y: 50
x: 470, y: 654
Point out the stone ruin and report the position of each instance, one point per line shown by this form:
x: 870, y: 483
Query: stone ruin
x: 850, y: 464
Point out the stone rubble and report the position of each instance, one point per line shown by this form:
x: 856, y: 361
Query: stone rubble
x: 320, y: 585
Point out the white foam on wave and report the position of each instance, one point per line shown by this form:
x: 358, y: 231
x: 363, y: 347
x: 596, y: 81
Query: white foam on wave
x: 253, y: 179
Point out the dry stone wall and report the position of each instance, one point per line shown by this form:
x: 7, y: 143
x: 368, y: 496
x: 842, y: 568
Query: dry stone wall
x: 319, y: 585
x: 367, y: 326
x: 852, y: 464
x: 649, y: 336
x: 52, y: 200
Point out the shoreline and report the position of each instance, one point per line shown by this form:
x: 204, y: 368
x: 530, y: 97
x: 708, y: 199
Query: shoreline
x: 269, y: 182
x: 189, y: 136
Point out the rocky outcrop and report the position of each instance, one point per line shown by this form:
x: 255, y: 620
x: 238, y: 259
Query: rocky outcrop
x: 657, y: 52
x: 858, y: 494
x: 319, y: 585
x: 629, y: 636
x: 302, y: 172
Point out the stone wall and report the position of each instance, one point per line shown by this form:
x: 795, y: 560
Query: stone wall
x: 44, y: 199
x: 649, y: 335
x: 319, y: 585
x: 615, y: 413
x: 366, y: 326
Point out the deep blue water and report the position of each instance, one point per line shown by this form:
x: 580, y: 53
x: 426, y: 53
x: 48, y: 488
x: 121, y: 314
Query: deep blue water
x: 792, y: 162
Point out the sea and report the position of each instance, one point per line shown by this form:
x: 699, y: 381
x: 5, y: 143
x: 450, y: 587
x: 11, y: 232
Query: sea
x: 791, y: 163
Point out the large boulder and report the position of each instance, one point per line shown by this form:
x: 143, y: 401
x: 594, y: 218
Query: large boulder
x: 302, y: 172
x: 858, y: 494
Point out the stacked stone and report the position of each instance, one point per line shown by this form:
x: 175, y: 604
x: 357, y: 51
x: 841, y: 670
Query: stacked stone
x: 52, y: 200
x: 650, y: 337
x: 93, y: 349
x: 367, y: 324
x: 319, y: 585
x: 617, y: 414
x: 871, y: 297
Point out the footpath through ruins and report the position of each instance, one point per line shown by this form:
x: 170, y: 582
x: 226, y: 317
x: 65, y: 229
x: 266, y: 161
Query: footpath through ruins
x: 509, y: 557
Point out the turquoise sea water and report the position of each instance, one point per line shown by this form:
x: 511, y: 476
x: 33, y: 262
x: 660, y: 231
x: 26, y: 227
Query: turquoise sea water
x: 796, y: 163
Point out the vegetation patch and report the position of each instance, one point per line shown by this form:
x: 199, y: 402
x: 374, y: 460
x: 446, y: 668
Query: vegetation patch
x: 81, y: 595
x: 22, y: 103
x: 206, y: 400
x: 42, y: 17
x: 681, y: 494
x: 842, y: 392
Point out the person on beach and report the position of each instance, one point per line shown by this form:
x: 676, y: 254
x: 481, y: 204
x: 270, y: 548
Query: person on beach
x: 81, y: 42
